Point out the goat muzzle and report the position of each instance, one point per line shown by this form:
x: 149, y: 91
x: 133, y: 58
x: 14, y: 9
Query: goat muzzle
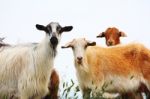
x: 54, y: 41
x: 79, y: 60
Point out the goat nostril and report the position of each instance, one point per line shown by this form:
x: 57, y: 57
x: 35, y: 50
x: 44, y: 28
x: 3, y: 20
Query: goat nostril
x: 79, y: 58
x: 110, y: 43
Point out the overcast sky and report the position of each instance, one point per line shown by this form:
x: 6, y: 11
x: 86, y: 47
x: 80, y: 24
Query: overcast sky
x: 88, y: 17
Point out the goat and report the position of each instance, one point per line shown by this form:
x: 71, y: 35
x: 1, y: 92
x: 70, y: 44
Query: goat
x: 54, y: 79
x: 26, y: 68
x: 118, y: 69
x: 112, y: 36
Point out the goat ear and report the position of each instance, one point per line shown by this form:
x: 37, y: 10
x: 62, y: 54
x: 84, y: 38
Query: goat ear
x: 40, y: 27
x: 67, y: 45
x: 66, y: 29
x: 122, y: 34
x: 91, y: 43
x: 101, y: 35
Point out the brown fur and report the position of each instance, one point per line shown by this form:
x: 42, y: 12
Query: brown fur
x: 53, y: 86
x: 112, y: 36
x: 128, y: 59
x: 133, y: 59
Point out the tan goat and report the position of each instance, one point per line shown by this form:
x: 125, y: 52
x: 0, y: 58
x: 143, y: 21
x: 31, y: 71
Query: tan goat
x: 122, y: 68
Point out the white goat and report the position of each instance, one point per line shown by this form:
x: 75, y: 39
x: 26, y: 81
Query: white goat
x: 117, y: 69
x: 25, y: 69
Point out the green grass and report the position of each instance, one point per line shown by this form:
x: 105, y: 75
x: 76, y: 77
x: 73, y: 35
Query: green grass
x: 72, y: 91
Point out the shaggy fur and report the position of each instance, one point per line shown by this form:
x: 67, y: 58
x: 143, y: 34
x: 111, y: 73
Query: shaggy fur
x: 26, y: 68
x: 54, y: 78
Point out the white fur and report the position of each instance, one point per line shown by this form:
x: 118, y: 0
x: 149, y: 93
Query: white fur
x: 25, y: 69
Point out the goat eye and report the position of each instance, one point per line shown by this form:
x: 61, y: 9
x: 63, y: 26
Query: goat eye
x: 58, y: 28
x: 49, y: 30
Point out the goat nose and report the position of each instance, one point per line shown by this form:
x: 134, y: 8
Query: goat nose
x: 54, y: 41
x: 110, y: 42
x: 79, y: 58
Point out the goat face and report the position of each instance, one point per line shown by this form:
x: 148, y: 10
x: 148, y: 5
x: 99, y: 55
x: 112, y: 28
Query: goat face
x: 53, y: 32
x: 112, y: 36
x: 79, y: 46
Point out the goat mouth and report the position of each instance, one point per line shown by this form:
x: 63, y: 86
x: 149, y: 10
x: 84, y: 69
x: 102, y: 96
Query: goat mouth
x: 110, y: 43
x: 79, y: 62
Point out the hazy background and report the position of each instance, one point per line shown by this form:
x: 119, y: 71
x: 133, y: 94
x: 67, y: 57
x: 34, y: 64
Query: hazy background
x: 88, y: 17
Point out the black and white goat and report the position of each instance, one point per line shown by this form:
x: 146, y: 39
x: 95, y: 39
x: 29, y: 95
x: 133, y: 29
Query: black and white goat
x: 25, y: 69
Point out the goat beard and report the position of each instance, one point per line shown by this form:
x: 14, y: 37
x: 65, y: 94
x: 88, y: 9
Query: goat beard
x: 82, y: 66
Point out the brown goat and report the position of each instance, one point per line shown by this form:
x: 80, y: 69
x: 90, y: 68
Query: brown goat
x: 112, y: 37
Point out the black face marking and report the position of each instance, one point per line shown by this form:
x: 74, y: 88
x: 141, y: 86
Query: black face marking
x: 49, y: 29
x: 54, y: 30
x: 54, y: 42
x: 59, y: 29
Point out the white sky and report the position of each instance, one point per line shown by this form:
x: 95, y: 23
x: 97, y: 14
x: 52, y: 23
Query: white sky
x: 89, y: 18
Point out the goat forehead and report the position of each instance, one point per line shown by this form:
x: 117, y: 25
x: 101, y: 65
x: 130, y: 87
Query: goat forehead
x: 53, y: 26
x: 79, y: 49
x: 112, y: 34
x: 78, y: 45
x: 112, y: 30
x: 79, y: 42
